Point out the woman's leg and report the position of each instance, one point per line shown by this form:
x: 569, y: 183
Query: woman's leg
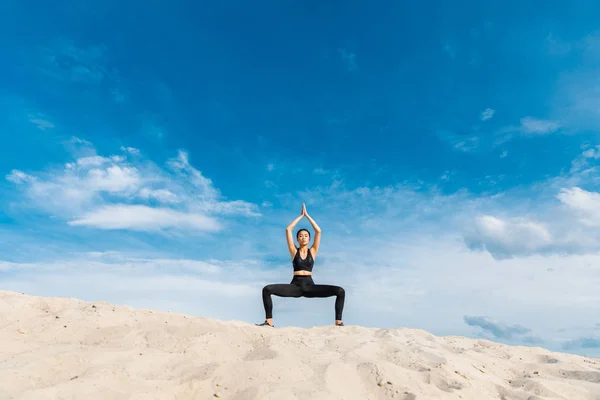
x: 281, y: 290
x: 328, y: 291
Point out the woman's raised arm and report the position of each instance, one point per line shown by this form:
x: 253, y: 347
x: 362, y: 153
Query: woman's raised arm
x: 288, y: 233
x: 317, y: 241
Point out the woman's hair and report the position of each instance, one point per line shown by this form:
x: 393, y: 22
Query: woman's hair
x: 300, y: 230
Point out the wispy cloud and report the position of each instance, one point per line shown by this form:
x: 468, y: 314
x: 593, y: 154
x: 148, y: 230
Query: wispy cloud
x: 131, y: 150
x: 538, y: 126
x: 144, y: 218
x: 470, y: 140
x: 19, y: 177
x: 592, y: 153
x: 584, y: 164
x: 486, y: 114
x: 117, y: 192
x: 464, y: 143
x: 528, y: 127
x: 42, y: 123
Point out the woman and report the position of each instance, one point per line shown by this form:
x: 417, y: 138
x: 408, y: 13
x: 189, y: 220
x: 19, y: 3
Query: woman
x: 302, y: 285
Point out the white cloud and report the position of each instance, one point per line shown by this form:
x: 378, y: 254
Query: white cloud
x: 161, y: 195
x: 131, y: 150
x: 592, y: 153
x: 528, y: 127
x: 583, y: 203
x: 78, y: 140
x: 182, y: 167
x: 113, y: 193
x: 541, y: 226
x: 114, y: 179
x: 41, y: 122
x: 17, y: 176
x: 504, y: 237
x: 144, y: 218
x: 583, y: 167
x: 539, y: 126
x: 95, y: 161
x: 465, y: 143
x: 468, y: 144
x: 236, y: 207
x: 486, y: 114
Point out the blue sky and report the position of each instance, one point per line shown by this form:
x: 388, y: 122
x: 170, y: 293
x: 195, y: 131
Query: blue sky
x: 153, y: 154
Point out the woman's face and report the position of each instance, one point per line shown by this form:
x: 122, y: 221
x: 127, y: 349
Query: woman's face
x: 303, y: 237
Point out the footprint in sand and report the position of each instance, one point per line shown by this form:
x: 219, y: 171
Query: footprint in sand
x: 588, y: 376
x: 371, y: 376
x: 534, y: 387
x: 547, y: 360
x: 260, y: 353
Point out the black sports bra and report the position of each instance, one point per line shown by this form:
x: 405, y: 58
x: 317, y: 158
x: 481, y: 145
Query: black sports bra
x: 303, y: 265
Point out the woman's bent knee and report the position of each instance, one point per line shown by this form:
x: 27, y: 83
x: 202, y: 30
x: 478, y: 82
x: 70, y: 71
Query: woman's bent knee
x: 340, y: 291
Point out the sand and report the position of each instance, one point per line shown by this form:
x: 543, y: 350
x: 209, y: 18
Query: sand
x: 64, y: 348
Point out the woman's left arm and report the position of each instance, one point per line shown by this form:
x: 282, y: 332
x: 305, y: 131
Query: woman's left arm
x: 317, y: 229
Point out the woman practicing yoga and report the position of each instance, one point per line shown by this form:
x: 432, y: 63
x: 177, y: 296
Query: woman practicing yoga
x: 302, y: 285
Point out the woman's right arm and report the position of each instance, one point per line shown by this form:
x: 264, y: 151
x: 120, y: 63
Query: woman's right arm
x: 290, y: 238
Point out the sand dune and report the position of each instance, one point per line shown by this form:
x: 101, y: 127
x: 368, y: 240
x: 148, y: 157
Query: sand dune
x: 60, y: 348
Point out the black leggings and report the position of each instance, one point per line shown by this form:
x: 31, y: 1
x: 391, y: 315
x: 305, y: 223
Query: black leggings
x: 303, y: 286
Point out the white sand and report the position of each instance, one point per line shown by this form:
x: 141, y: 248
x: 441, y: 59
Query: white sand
x: 59, y: 348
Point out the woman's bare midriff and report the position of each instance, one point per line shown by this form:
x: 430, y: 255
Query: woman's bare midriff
x: 303, y: 273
